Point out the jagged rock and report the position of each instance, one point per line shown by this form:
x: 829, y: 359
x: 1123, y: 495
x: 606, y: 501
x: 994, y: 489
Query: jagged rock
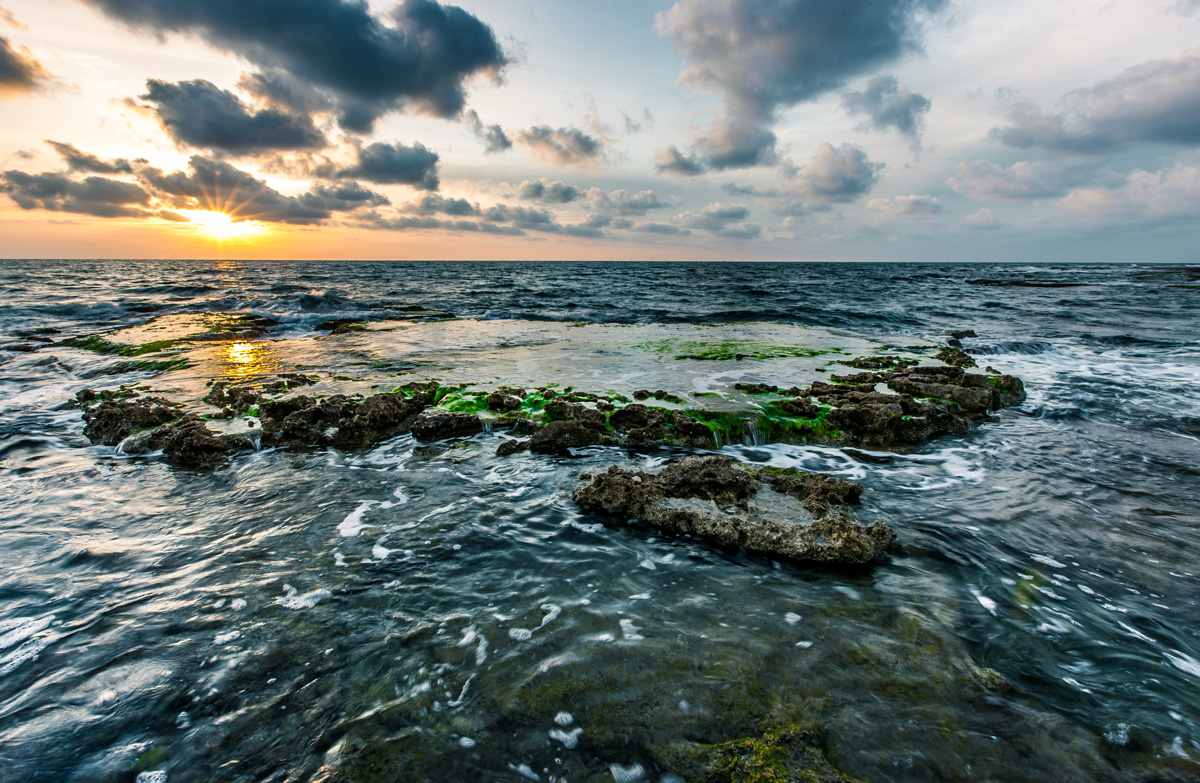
x: 774, y: 511
x: 558, y: 437
x: 961, y: 333
x: 375, y: 418
x: 304, y: 421
x: 188, y: 443
x: 438, y: 425
x: 114, y: 420
x: 802, y: 408
x: 635, y: 415
x: 691, y: 432
x: 955, y: 356
x: 559, y: 410
x: 239, y: 397
x: 878, y: 362
x: 500, y: 401
x: 796, y: 754
x: 511, y: 447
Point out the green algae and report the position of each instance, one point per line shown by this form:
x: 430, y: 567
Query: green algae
x: 794, y: 755
x: 97, y: 344
x: 724, y: 350
x: 152, y: 365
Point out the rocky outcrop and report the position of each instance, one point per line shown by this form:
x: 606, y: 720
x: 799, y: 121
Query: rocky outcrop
x: 438, y: 425
x: 113, y: 420
x: 559, y: 437
x: 781, y: 512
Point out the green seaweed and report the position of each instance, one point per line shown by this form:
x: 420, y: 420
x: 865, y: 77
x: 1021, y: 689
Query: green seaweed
x: 151, y: 365
x: 97, y: 344
x: 725, y: 350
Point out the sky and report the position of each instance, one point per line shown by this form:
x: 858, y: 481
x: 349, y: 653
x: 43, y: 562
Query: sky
x: 793, y: 130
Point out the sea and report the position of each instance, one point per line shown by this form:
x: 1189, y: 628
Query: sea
x: 1039, y: 619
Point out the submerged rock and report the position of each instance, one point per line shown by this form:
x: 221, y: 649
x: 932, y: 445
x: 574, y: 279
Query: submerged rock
x: 190, y: 444
x: 774, y: 511
x: 797, y: 754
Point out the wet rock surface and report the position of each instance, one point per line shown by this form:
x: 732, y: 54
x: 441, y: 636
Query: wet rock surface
x: 439, y: 425
x: 780, y: 512
x: 113, y: 420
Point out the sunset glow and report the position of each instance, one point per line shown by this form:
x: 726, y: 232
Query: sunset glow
x: 220, y: 226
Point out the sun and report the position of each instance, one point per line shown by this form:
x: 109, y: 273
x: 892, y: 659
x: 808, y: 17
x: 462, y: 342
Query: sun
x: 218, y: 225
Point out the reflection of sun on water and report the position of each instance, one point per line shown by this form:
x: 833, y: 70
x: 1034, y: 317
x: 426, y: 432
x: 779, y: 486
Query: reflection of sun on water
x: 246, y: 358
x: 218, y: 225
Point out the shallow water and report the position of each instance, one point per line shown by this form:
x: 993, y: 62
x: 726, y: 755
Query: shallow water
x: 300, y: 610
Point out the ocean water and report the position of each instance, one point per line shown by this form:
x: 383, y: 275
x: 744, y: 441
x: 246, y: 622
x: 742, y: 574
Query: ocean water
x: 404, y: 613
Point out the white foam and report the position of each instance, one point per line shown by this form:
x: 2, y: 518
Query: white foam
x: 524, y: 771
x: 564, y: 718
x: 629, y: 631
x: 520, y: 634
x: 353, y: 524
x: 23, y: 654
x: 792, y: 618
x: 24, y: 629
x: 553, y: 613
x: 804, y: 645
x: 1185, y: 663
x: 226, y: 638
x: 986, y: 603
x: 1050, y: 561
x: 648, y: 564
x: 381, y: 552
x: 481, y: 651
x: 640, y: 597
x: 630, y: 774
x: 155, y: 776
x: 292, y: 600
x: 466, y: 742
x: 569, y: 739
x: 437, y: 511
x: 237, y: 604
x: 469, y: 636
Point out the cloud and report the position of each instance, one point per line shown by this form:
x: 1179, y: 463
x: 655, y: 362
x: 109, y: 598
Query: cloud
x: 282, y: 90
x: 912, y: 206
x: 837, y: 175
x: 344, y: 196
x: 434, y: 204
x: 396, y: 164
x: 97, y: 196
x: 549, y: 192
x: 727, y: 220
x: 10, y: 19
x: 985, y: 181
x: 622, y: 202
x: 561, y: 147
x: 523, y: 218
x: 765, y: 57
x: 637, y: 126
x: 669, y: 160
x: 889, y: 104
x: 77, y: 160
x: 200, y: 114
x: 493, y: 136
x: 983, y: 220
x: 1167, y: 195
x: 419, y: 55
x: 20, y: 72
x: 1154, y: 102
x: 659, y: 228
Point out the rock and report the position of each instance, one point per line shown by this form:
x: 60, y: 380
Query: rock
x: 239, y: 397
x: 333, y: 324
x: 500, y: 401
x: 955, y: 356
x: 558, y: 437
x: 691, y: 432
x: 780, y: 512
x: 188, y: 443
x: 559, y: 410
x: 114, y: 420
x: 878, y: 362
x: 795, y: 754
x: 511, y: 447
x: 636, y: 415
x: 800, y: 408
x: 304, y: 421
x: 375, y: 418
x: 961, y: 333
x: 642, y: 394
x: 438, y: 425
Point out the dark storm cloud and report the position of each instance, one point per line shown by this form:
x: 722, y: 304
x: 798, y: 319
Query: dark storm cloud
x: 98, y: 196
x: 764, y: 57
x: 78, y: 160
x: 562, y: 146
x: 493, y: 136
x: 19, y: 70
x: 200, y: 114
x: 550, y: 192
x: 889, y: 104
x: 669, y: 160
x: 396, y: 164
x: 283, y: 91
x: 421, y: 54
x: 1154, y: 102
